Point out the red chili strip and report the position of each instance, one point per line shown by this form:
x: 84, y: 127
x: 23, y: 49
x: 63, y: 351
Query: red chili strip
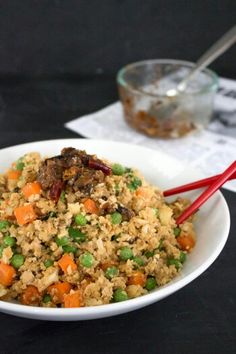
x: 98, y: 165
x: 55, y: 190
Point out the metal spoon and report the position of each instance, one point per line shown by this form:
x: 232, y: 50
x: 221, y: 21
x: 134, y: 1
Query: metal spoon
x: 225, y: 42
x: 169, y: 105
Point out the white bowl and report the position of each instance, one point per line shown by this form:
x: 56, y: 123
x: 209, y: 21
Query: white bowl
x: 212, y: 224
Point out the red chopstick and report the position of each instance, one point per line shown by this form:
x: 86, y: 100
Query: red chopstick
x: 207, y: 193
x: 194, y: 185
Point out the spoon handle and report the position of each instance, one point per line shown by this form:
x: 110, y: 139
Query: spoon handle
x: 218, y: 48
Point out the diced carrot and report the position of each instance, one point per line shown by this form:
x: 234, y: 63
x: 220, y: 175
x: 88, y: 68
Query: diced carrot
x: 91, y: 207
x: 58, y: 290
x: 138, y: 278
x: 25, y: 214
x: 143, y: 192
x: 31, y: 296
x: 67, y: 264
x: 7, y: 274
x: 31, y: 188
x: 73, y: 299
x: 13, y: 174
x: 186, y: 243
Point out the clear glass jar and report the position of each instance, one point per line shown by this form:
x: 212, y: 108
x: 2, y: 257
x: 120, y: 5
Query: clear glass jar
x: 143, y: 86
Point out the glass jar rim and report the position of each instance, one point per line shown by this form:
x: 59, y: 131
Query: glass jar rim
x: 206, y: 88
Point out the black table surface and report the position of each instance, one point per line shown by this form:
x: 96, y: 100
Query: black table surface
x: 200, y: 318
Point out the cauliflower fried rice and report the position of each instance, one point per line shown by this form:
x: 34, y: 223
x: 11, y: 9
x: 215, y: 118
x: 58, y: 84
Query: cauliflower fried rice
x: 78, y: 231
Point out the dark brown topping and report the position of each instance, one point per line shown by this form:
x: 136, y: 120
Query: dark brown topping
x: 73, y: 168
x: 88, y: 178
x: 74, y: 157
x: 50, y: 171
x: 107, y: 208
x: 55, y: 190
x: 149, y: 121
x: 70, y: 173
x: 126, y: 213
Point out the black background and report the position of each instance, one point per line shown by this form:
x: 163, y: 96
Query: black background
x: 83, y: 38
x: 58, y: 60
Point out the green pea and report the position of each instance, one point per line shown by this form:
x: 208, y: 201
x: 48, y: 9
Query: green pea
x: 62, y: 241
x: 175, y: 262
x: 17, y: 260
x: 80, y: 220
x: 120, y: 295
x: 134, y: 184
x: 118, y: 169
x: 69, y: 249
x: 116, y: 218
x: 87, y: 260
x: 111, y: 272
x: 150, y: 283
x: 131, y: 187
x: 47, y: 298
x: 73, y: 232
x: 4, y: 224
x: 20, y: 165
x: 81, y: 238
x: 63, y: 196
x: 77, y: 235
x: 48, y: 263
x: 182, y: 257
x: 126, y: 253
x: 139, y: 261
x: 149, y: 254
x: 177, y: 231
x: 9, y: 241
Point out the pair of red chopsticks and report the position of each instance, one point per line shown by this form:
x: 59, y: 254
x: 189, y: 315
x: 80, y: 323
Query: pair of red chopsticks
x: 214, y: 183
